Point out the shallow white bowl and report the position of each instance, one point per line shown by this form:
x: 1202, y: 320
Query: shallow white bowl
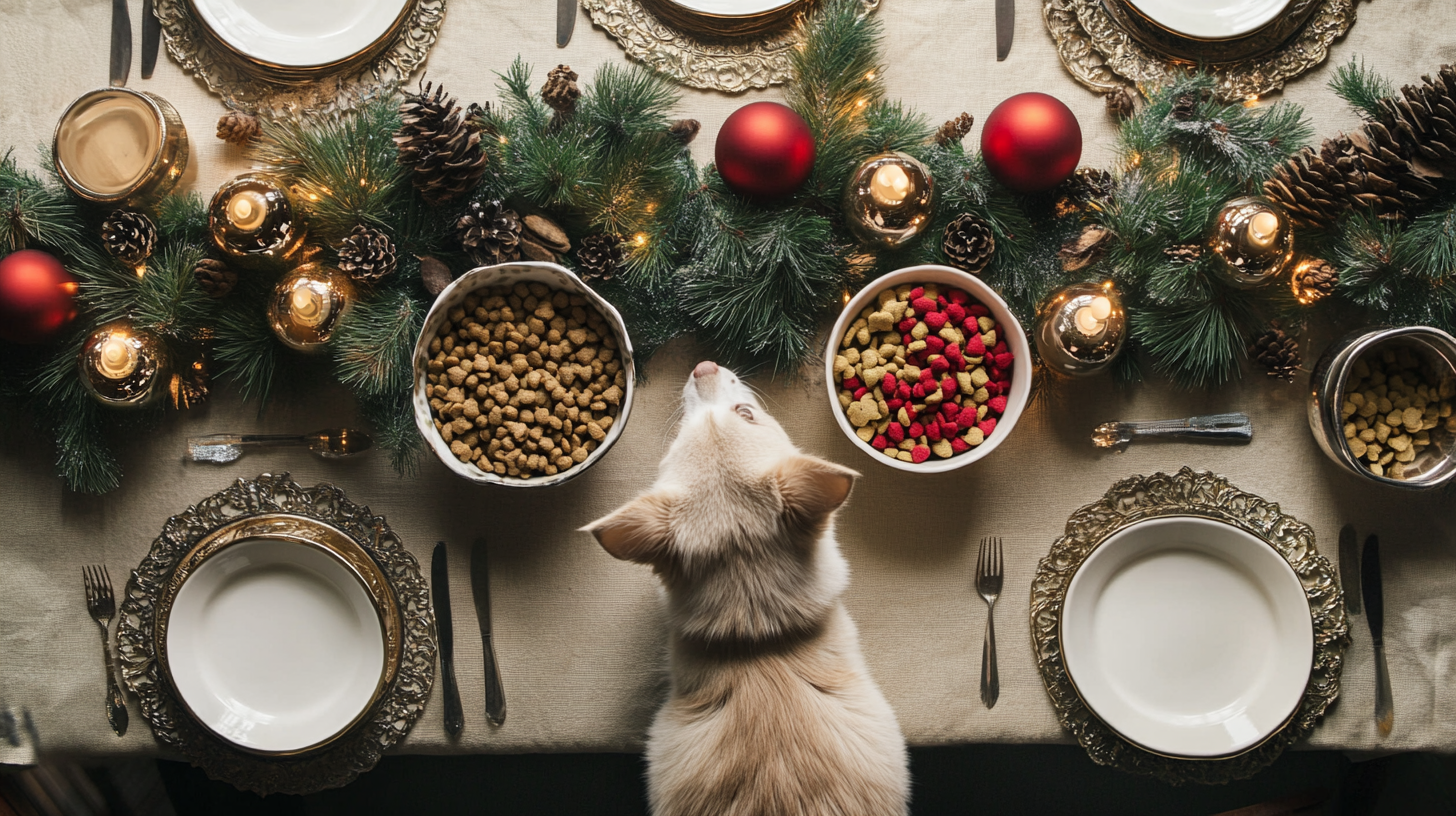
x: 1016, y: 398
x: 294, y: 34
x: 557, y: 277
x: 274, y: 645
x: 1188, y: 636
x: 733, y: 8
x: 1211, y: 19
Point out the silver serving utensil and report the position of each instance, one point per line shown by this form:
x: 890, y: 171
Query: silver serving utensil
x: 1235, y: 428
x: 101, y: 604
x: 1375, y: 616
x: 565, y: 21
x: 495, y: 695
x: 120, y: 43
x: 151, y: 38
x: 445, y: 633
x: 1005, y: 27
x: 1350, y: 569
x: 330, y: 443
x: 989, y: 574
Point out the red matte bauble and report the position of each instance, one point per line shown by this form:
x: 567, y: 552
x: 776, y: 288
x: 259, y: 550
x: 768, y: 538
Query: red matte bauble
x: 37, y: 297
x: 1031, y: 142
x: 764, y: 150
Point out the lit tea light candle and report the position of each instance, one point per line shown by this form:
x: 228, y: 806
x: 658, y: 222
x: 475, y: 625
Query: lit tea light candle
x: 247, y: 210
x: 1263, y: 228
x: 1091, y: 319
x: 890, y: 184
x: 308, y: 307
x: 117, y: 357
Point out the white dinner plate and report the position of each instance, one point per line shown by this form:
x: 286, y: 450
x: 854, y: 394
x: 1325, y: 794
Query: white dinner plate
x: 733, y: 8
x: 1188, y: 636
x: 300, y: 33
x: 275, y: 645
x: 1211, y: 19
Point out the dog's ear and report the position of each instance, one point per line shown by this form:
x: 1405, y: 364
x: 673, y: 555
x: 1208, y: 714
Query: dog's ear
x: 638, y: 530
x: 813, y: 487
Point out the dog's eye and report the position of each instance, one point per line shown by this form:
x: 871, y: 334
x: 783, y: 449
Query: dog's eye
x: 744, y: 410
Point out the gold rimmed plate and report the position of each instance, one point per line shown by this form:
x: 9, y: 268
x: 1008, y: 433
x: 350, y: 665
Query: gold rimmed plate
x: 1215, y: 31
x: 1199, y: 697
x: 728, y: 18
x: 278, y: 633
x: 298, y: 39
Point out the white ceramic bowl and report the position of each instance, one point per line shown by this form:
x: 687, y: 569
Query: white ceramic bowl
x: 1211, y: 19
x: 1016, y: 398
x: 556, y: 277
x: 1188, y: 636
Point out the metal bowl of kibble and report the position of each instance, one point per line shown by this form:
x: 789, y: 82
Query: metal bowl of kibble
x: 1000, y: 395
x: 561, y: 389
x: 1382, y: 403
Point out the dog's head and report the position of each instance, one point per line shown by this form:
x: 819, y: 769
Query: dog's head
x: 738, y: 524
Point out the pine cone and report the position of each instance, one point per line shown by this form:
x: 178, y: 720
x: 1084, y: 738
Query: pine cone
x: 129, y: 236
x: 214, y: 277
x: 238, y: 128
x: 1424, y: 121
x: 1277, y: 353
x: 441, y: 145
x: 599, y: 257
x: 560, y: 91
x: 490, y: 233
x: 1084, y: 250
x: 685, y: 130
x: 969, y: 243
x: 1313, y: 280
x: 1121, y: 103
x: 1183, y: 253
x: 1184, y: 107
x: 954, y: 130
x: 367, y: 255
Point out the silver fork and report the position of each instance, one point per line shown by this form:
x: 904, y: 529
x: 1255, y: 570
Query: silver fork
x: 101, y: 603
x: 988, y: 585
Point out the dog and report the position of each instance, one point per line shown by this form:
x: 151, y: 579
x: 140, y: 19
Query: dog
x: 772, y: 711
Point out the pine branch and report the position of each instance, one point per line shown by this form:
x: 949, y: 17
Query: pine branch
x: 1199, y: 345
x: 622, y: 102
x: 1362, y: 88
x: 182, y: 218
x: 244, y: 348
x: 33, y: 213
x: 373, y: 347
x: 392, y: 419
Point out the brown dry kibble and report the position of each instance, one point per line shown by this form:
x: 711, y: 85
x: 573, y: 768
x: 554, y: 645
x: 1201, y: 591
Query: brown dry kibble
x: 1392, y: 404
x: 524, y: 380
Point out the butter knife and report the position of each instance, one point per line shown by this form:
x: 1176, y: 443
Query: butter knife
x: 1375, y: 616
x: 445, y: 632
x: 1350, y: 569
x: 151, y: 39
x: 495, y: 695
x: 120, y: 43
x: 565, y: 21
x: 1005, y: 27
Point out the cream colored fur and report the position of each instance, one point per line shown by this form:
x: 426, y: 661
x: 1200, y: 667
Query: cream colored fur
x: 772, y: 710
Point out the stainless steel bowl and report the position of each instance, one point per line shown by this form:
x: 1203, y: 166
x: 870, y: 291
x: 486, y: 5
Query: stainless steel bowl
x: 1436, y: 464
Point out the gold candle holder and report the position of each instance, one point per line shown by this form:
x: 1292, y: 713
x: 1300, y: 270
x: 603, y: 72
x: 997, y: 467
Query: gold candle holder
x: 120, y: 146
x: 123, y: 366
x: 252, y: 217
x: 307, y: 304
x: 1081, y: 328
x: 889, y: 199
x: 1253, y: 239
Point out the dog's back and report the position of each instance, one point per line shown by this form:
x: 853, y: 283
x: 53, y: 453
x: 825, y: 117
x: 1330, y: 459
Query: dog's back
x: 772, y: 710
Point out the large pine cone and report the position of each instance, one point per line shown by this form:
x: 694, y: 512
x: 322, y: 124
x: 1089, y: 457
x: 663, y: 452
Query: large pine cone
x: 238, y: 128
x: 560, y: 91
x: 440, y: 144
x: 1278, y: 353
x: 1313, y: 280
x: 214, y: 277
x: 490, y: 233
x: 1424, y: 122
x: 969, y: 243
x: 367, y: 255
x: 599, y: 257
x: 129, y: 236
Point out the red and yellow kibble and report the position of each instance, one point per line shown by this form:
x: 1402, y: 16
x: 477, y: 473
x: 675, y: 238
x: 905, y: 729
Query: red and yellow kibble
x: 924, y: 373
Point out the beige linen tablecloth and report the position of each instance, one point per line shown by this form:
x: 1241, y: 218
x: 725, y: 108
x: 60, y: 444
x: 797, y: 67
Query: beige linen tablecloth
x: 580, y: 635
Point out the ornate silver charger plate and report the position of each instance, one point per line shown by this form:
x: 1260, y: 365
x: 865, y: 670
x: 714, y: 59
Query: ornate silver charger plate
x: 243, y: 86
x: 1200, y: 494
x: 395, y: 710
x: 730, y: 64
x: 1104, y: 56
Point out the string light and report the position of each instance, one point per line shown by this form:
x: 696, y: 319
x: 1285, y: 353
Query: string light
x: 640, y: 239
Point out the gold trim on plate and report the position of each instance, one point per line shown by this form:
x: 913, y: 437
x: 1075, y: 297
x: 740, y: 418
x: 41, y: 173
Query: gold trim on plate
x: 1186, y: 493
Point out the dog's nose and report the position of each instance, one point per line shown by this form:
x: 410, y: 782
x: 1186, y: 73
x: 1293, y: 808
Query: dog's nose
x: 705, y: 369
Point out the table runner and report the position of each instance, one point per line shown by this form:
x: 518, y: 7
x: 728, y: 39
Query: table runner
x: 579, y: 635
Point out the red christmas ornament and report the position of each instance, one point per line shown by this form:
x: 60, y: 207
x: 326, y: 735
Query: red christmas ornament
x: 764, y: 150
x: 1031, y: 142
x: 37, y: 297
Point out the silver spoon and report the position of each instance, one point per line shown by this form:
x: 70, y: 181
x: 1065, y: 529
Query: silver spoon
x: 330, y: 443
x: 1235, y: 428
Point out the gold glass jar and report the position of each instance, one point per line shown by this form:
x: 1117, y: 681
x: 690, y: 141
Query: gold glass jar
x: 119, y: 146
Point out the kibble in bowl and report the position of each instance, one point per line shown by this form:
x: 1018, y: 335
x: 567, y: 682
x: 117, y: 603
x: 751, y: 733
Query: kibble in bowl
x: 523, y: 375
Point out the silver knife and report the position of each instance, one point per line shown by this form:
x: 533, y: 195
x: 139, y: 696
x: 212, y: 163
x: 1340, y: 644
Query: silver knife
x: 495, y: 695
x: 1375, y: 616
x: 1350, y: 569
x: 565, y: 21
x: 151, y: 39
x: 120, y: 43
x: 1005, y: 27
x: 445, y: 631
